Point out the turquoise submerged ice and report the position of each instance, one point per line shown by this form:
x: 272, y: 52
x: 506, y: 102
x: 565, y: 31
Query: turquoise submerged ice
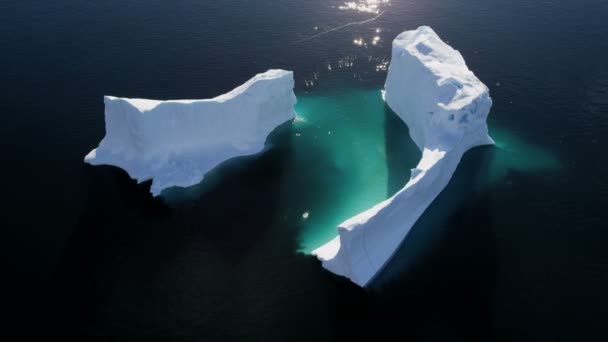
x: 445, y: 107
x: 175, y: 143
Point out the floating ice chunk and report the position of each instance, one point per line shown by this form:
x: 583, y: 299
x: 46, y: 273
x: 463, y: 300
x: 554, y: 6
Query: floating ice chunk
x: 175, y: 143
x: 445, y: 107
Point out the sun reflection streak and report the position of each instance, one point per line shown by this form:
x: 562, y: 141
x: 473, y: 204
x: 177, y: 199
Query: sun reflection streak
x: 364, y: 6
x: 340, y: 27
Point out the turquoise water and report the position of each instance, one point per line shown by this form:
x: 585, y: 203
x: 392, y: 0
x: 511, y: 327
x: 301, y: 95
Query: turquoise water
x: 347, y: 171
x: 338, y: 164
x: 515, y: 153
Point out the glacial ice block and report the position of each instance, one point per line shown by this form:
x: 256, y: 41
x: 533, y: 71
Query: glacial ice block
x: 175, y: 143
x: 445, y: 107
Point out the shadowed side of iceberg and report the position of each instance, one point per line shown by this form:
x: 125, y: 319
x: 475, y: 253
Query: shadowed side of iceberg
x: 445, y: 108
x: 176, y: 142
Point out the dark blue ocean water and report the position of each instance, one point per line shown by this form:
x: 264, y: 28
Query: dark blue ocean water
x: 513, y: 249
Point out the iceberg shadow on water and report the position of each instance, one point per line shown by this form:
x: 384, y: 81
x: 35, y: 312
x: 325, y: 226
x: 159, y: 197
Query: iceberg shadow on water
x: 133, y: 260
x: 456, y: 226
x: 441, y: 231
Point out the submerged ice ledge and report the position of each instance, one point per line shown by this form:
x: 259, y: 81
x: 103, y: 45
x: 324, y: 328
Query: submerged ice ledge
x: 175, y: 143
x: 445, y: 107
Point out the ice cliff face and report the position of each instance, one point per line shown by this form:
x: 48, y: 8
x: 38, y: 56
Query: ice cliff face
x: 177, y: 142
x: 445, y: 107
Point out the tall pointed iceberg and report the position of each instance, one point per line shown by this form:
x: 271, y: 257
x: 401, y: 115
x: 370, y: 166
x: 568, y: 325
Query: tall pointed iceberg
x: 445, y: 107
x: 175, y: 143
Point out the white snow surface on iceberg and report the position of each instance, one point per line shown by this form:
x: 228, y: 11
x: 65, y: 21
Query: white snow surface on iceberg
x: 177, y: 142
x: 445, y: 107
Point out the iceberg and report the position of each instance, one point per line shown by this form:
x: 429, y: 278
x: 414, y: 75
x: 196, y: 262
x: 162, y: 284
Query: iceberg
x: 176, y: 142
x: 445, y: 107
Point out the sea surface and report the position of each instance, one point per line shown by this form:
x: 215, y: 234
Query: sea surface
x: 514, y: 249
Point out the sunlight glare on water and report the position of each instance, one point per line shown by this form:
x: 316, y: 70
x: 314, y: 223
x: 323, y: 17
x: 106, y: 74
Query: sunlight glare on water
x: 365, y: 6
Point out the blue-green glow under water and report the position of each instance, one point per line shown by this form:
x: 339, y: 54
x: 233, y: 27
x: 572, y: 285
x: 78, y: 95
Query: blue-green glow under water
x: 349, y: 151
x: 349, y: 128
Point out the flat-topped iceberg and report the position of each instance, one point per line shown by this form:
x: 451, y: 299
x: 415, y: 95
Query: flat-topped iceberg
x: 175, y: 143
x: 445, y: 107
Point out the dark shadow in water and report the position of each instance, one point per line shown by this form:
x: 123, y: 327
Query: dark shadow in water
x: 218, y: 268
x: 465, y: 190
x: 440, y: 283
x: 466, y: 184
